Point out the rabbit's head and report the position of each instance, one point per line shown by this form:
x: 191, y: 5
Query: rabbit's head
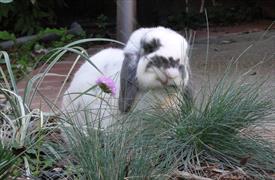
x: 160, y: 61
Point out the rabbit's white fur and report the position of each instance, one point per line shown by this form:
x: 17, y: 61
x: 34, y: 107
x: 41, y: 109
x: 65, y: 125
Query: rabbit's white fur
x: 109, y: 61
x: 131, y: 62
x: 173, y: 45
x: 133, y: 45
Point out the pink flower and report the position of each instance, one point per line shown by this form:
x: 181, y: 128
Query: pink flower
x: 107, y: 85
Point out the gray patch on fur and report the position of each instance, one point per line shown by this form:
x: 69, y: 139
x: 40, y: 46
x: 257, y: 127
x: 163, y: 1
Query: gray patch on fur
x: 160, y: 61
x: 151, y: 46
x: 128, y: 83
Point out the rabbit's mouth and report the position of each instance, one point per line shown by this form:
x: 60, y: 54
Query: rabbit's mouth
x: 168, y: 75
x: 163, y: 80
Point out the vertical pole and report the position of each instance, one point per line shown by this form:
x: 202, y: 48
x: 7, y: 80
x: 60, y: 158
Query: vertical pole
x: 202, y: 6
x: 186, y: 6
x: 126, y: 18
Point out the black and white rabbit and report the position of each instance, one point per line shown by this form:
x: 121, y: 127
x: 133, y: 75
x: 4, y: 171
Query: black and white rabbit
x: 153, y: 58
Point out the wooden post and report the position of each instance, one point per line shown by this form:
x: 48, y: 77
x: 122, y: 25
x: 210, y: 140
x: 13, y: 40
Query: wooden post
x: 126, y: 18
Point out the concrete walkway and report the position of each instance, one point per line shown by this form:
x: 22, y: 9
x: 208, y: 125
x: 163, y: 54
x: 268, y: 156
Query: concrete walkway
x: 51, y: 85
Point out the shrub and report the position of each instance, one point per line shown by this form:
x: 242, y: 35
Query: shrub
x: 27, y: 16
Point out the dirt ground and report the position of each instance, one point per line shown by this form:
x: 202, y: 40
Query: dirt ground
x: 252, y: 55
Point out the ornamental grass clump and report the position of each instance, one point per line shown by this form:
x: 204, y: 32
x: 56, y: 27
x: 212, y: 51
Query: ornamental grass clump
x: 29, y: 133
x: 216, y: 130
x: 23, y: 130
x: 6, y: 161
x: 105, y: 154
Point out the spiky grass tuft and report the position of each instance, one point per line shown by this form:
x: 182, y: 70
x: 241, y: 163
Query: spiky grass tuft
x: 6, y: 161
x: 218, y: 128
x: 104, y: 154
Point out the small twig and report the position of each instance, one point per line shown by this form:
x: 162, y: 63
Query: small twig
x: 238, y: 170
x: 187, y: 175
x: 219, y: 171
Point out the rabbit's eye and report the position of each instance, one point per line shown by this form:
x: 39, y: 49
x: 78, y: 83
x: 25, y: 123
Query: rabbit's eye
x: 150, y: 64
x: 151, y: 46
x: 174, y: 62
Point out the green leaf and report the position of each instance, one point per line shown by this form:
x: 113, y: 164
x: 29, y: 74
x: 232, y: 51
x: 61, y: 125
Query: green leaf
x: 6, y: 1
x: 5, y: 35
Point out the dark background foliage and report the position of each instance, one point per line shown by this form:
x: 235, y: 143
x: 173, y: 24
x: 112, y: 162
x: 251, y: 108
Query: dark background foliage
x: 30, y: 16
x: 26, y: 16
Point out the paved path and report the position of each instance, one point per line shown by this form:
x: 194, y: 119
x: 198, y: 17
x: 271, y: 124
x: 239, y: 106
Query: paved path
x: 51, y: 85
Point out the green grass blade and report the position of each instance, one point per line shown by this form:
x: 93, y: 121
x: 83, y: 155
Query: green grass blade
x: 8, y: 64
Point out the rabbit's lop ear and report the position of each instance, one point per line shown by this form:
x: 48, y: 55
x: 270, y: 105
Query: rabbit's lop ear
x: 187, y: 84
x: 128, y: 82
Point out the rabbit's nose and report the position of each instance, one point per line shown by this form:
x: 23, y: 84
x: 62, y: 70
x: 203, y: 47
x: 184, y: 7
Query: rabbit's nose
x: 172, y: 73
